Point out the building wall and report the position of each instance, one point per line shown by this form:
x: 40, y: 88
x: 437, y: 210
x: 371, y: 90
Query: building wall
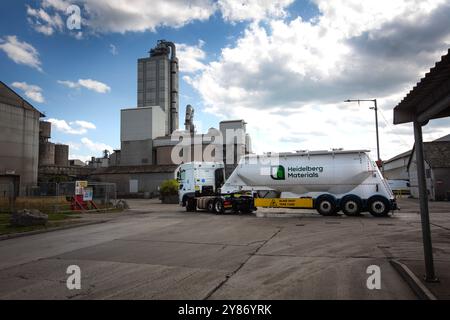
x: 442, y: 183
x: 147, y: 182
x: 19, y: 144
x: 142, y: 123
x: 138, y: 152
x: 397, y: 169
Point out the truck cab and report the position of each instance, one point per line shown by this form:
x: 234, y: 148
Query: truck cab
x: 199, y: 179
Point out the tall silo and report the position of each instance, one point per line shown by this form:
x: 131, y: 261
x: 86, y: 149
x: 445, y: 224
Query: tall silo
x: 61, y: 155
x: 46, y: 153
x: 158, y: 82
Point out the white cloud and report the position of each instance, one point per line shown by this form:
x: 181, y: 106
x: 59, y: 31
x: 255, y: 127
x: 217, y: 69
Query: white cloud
x: 95, y: 146
x: 241, y: 10
x: 135, y: 15
x: 43, y: 22
x: 31, y: 91
x: 89, y: 84
x: 286, y: 75
x: 191, y: 57
x: 77, y: 127
x: 103, y: 16
x: 20, y: 52
x: 85, y: 124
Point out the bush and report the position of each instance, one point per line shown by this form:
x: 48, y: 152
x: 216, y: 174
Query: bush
x: 169, y: 187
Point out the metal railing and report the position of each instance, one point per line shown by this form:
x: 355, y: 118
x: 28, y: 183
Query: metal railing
x: 54, y: 196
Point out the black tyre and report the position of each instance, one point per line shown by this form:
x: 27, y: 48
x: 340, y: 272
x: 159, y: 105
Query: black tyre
x: 191, y: 205
x: 378, y: 206
x: 210, y: 206
x: 218, y: 206
x: 326, y: 205
x: 351, y: 205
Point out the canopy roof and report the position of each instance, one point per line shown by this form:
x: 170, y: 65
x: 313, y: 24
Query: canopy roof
x: 430, y: 97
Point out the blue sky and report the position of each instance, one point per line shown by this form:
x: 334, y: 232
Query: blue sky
x: 273, y: 63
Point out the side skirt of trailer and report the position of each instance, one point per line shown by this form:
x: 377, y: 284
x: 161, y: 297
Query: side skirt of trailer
x: 300, y: 203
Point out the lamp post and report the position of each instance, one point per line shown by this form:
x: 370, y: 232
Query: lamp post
x: 375, y: 107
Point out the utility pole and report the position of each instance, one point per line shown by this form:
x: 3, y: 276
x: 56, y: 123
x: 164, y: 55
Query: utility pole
x: 375, y: 107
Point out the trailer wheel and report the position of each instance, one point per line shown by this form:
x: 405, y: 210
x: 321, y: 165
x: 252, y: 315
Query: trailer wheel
x: 378, y: 206
x: 326, y: 205
x: 351, y: 205
x: 218, y: 206
x: 210, y: 206
x: 191, y: 205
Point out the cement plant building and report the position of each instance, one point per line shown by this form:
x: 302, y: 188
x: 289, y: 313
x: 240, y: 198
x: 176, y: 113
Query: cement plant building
x: 146, y: 132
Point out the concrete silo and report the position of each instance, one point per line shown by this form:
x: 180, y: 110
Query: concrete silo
x: 61, y: 155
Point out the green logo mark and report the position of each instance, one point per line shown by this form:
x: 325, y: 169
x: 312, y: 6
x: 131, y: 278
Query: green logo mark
x: 277, y: 173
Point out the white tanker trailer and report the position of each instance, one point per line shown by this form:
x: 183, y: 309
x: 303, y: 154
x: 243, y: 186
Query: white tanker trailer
x: 328, y: 181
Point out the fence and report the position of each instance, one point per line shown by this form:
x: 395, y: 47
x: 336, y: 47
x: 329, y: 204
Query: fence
x: 54, y: 197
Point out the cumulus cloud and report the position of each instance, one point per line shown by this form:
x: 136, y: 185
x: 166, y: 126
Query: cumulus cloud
x: 43, y: 22
x: 286, y: 74
x: 31, y: 91
x: 77, y: 127
x: 20, y: 52
x: 191, y: 57
x: 89, y: 84
x: 241, y: 10
x: 95, y: 146
x: 104, y: 16
x: 134, y: 15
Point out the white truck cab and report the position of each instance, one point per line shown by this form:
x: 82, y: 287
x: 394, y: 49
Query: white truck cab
x: 199, y: 179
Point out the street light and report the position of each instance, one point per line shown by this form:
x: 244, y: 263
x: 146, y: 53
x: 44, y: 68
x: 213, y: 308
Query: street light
x: 375, y: 107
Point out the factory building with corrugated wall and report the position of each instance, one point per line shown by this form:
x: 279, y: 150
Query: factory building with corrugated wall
x: 19, y: 143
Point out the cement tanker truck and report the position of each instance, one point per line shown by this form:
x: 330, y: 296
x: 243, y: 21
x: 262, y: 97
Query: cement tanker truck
x: 328, y: 181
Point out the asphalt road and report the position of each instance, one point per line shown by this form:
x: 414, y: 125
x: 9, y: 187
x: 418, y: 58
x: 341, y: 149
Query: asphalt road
x: 161, y: 252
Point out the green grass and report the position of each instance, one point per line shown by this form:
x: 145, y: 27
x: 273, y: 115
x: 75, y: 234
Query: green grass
x: 54, y: 220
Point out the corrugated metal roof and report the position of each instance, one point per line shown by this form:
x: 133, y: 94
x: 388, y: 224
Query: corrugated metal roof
x: 432, y: 88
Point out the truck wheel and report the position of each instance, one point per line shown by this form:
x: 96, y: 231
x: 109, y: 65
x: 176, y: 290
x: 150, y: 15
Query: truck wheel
x: 210, y: 206
x: 351, y: 205
x: 326, y: 205
x: 191, y: 205
x: 378, y: 206
x: 218, y: 206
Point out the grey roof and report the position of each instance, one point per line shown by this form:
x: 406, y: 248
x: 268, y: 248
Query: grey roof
x: 9, y: 96
x: 444, y: 138
x: 399, y: 156
x: 436, y: 154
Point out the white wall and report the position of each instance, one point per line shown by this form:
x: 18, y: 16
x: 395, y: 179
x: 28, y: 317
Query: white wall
x: 142, y: 123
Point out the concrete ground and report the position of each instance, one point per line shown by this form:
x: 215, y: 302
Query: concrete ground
x: 157, y: 251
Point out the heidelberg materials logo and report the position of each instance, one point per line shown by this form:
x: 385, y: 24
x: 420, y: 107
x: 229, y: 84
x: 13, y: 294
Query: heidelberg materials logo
x: 277, y: 173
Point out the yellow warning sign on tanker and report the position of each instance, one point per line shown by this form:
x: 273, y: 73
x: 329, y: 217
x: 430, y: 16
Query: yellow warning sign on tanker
x: 284, y: 202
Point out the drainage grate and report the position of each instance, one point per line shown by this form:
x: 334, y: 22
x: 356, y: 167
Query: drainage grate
x: 385, y: 224
x: 332, y: 222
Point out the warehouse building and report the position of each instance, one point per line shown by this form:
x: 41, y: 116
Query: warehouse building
x: 19, y: 143
x: 396, y: 168
x: 437, y: 170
